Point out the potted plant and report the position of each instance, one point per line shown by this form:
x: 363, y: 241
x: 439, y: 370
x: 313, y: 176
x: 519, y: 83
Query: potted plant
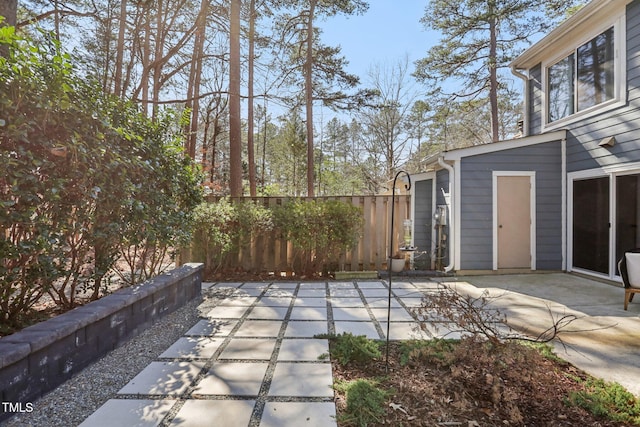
x: 397, y: 262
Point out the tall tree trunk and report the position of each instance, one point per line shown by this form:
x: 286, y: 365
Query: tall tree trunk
x: 157, y: 58
x: 493, y: 73
x: 146, y: 53
x: 193, y: 91
x: 235, y: 131
x: 9, y: 9
x: 122, y: 27
x: 308, y: 91
x: 251, y: 160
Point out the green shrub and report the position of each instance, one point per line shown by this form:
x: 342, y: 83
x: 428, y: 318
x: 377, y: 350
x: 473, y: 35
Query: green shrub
x: 86, y: 179
x: 365, y: 402
x: 347, y: 348
x: 320, y: 230
x: 608, y: 400
x: 225, y: 225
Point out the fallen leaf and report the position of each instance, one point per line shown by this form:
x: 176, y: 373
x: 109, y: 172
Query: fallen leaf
x: 397, y: 407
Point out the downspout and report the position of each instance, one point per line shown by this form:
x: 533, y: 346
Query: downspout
x: 451, y: 240
x: 525, y: 104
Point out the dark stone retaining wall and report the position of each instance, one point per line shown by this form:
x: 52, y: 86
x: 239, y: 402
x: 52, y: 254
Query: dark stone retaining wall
x: 43, y: 356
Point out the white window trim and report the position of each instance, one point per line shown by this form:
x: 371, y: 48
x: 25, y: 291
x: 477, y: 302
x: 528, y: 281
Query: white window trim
x: 620, y: 78
x: 532, y: 205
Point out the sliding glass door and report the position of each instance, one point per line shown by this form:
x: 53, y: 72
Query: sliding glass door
x: 591, y: 224
x: 627, y: 214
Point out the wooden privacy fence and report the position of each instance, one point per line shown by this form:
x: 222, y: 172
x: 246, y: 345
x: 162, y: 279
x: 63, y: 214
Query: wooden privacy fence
x: 269, y: 252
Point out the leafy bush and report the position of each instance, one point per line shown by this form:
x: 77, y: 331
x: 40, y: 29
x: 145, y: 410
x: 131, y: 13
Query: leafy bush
x: 365, y: 402
x: 225, y: 225
x: 86, y: 179
x: 320, y: 230
x: 347, y: 348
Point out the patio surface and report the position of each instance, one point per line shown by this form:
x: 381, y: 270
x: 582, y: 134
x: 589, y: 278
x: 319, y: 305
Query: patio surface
x: 253, y: 360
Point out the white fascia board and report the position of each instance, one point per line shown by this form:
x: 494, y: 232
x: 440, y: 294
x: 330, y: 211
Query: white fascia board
x: 582, y: 22
x: 456, y: 155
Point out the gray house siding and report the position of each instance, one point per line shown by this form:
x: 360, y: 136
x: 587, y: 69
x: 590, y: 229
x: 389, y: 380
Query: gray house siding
x: 476, y: 210
x: 535, y: 104
x: 423, y: 234
x: 583, y: 151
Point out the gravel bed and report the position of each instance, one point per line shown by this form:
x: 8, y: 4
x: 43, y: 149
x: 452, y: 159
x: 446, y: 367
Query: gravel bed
x: 72, y: 402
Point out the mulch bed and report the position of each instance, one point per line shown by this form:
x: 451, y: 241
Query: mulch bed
x: 471, y: 387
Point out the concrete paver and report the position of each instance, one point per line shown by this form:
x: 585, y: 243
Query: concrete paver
x: 207, y: 413
x: 232, y: 379
x: 298, y: 414
x: 287, y: 380
x: 249, y: 349
x: 134, y: 413
x: 192, y: 348
x: 253, y: 360
x: 163, y: 378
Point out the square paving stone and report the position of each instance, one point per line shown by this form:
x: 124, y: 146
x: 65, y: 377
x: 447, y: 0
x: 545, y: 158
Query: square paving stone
x: 403, y: 331
x: 382, y: 302
x: 309, y: 313
x: 207, y: 413
x: 341, y: 285
x: 313, y: 285
x: 125, y: 412
x: 375, y: 293
x: 310, y: 302
x: 223, y: 285
x: 303, y: 414
x: 270, y: 313
x: 259, y: 328
x: 212, y: 328
x: 256, y: 285
x: 284, y: 285
x: 317, y: 293
x: 249, y: 349
x: 232, y: 379
x: 344, y: 293
x: 371, y: 285
x: 397, y: 315
x: 248, y: 292
x: 193, y: 348
x: 302, y: 380
x: 239, y: 300
x: 351, y: 313
x: 305, y: 329
x: 347, y: 302
x: 227, y: 312
x: 170, y: 378
x: 274, y: 302
x: 407, y: 292
x: 299, y: 350
x: 279, y: 292
x: 367, y: 329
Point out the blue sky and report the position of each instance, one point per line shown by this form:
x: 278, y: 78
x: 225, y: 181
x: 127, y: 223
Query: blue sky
x: 385, y: 33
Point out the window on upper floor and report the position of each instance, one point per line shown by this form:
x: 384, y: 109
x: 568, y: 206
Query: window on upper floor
x: 583, y: 79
